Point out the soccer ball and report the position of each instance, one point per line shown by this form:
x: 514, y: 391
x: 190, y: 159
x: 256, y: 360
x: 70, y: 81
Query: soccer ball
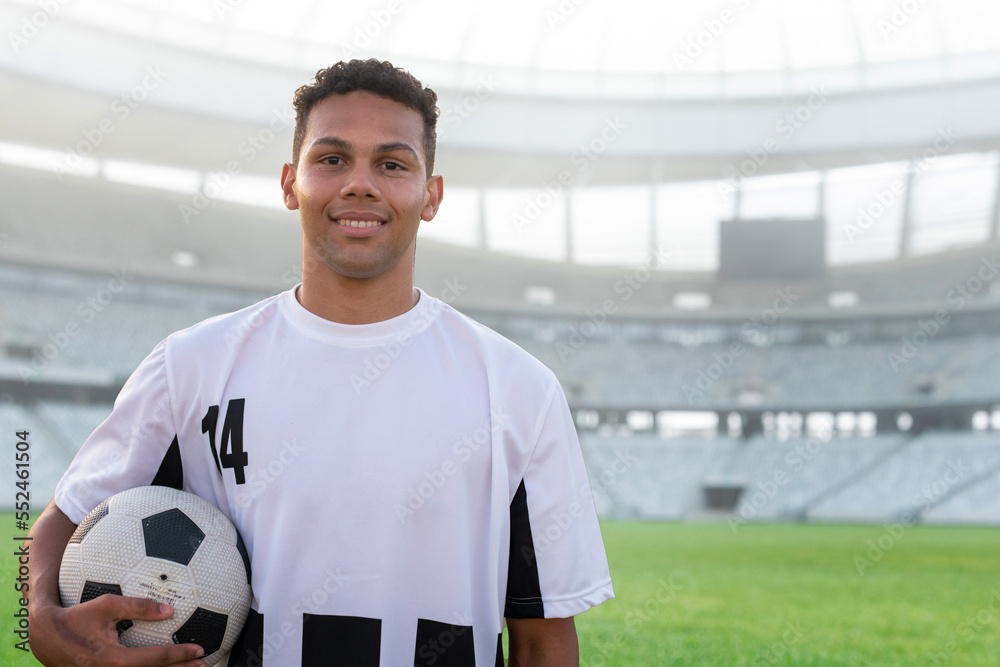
x: 170, y: 546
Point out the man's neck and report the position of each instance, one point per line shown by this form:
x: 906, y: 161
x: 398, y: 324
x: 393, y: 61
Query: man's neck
x: 347, y: 300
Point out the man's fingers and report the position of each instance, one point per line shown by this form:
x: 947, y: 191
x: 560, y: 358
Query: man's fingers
x: 156, y: 656
x: 117, y: 608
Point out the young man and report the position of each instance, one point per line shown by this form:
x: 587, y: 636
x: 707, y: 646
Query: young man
x: 393, y: 521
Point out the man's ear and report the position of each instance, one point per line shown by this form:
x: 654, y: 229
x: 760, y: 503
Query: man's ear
x: 287, y: 186
x: 435, y: 193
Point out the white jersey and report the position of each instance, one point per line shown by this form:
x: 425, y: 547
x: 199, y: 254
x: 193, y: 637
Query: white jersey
x: 401, y: 486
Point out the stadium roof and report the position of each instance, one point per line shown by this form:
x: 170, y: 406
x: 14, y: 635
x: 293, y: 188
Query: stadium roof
x: 630, y: 48
x: 654, y: 111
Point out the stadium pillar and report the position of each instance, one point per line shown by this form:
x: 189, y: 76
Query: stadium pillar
x: 886, y: 421
x: 752, y: 424
x: 996, y: 208
x: 906, y: 228
x: 482, y: 219
x: 569, y: 225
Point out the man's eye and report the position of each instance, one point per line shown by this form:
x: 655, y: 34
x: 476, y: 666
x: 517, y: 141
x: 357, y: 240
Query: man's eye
x: 393, y: 166
x: 333, y: 159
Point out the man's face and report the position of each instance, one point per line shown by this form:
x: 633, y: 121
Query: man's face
x: 360, y: 184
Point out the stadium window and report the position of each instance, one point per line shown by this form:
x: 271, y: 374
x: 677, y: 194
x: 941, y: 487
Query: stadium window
x: 611, y: 226
x: 184, y: 259
x: 676, y: 423
x: 40, y: 158
x: 458, y: 222
x: 640, y: 420
x: 864, y: 212
x: 692, y: 301
x: 904, y: 421
x: 540, y: 296
x: 734, y: 422
x: 783, y: 196
x: 243, y: 189
x: 867, y: 424
x: 588, y: 419
x: 185, y: 181
x: 819, y: 424
x: 847, y: 422
x: 687, y: 221
x: 980, y: 421
x: 953, y: 201
x: 842, y: 299
x: 767, y: 422
x: 525, y: 221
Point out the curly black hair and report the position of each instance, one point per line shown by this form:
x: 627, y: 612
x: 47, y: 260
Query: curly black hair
x: 378, y: 77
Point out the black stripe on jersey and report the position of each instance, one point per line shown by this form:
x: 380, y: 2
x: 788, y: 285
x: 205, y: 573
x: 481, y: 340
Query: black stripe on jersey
x: 248, y: 651
x: 444, y: 645
x: 524, y: 594
x: 351, y: 641
x: 171, y: 472
x: 499, y: 662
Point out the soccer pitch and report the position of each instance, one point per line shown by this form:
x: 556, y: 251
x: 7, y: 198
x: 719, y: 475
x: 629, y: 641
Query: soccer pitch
x: 772, y: 594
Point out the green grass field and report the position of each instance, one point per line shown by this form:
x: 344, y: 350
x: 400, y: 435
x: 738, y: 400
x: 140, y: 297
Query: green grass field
x: 700, y: 594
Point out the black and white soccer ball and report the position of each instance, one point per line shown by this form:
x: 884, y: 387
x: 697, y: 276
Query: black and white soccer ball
x: 166, y: 545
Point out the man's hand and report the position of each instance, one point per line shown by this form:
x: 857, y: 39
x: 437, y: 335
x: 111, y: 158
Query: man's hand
x: 86, y: 635
x: 538, y: 642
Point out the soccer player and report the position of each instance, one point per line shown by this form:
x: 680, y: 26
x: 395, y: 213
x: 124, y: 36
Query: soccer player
x: 403, y: 477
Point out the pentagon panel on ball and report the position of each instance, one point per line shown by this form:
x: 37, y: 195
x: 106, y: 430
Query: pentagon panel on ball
x: 170, y: 546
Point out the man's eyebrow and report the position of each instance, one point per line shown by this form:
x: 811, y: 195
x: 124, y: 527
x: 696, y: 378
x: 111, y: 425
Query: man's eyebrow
x: 334, y: 142
x: 337, y: 142
x: 398, y: 146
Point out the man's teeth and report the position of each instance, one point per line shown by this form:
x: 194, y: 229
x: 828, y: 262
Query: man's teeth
x: 360, y: 224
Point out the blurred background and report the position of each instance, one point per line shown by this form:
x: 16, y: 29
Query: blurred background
x: 753, y: 239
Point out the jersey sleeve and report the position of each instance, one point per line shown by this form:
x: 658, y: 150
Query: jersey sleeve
x: 558, y: 567
x: 135, y: 446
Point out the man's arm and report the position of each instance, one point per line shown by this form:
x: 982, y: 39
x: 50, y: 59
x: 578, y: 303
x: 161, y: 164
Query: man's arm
x: 543, y: 642
x: 86, y: 634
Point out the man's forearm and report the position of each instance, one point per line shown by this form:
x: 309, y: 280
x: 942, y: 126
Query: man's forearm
x: 543, y: 642
x: 49, y: 534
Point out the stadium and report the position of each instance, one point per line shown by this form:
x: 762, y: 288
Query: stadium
x: 757, y: 244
